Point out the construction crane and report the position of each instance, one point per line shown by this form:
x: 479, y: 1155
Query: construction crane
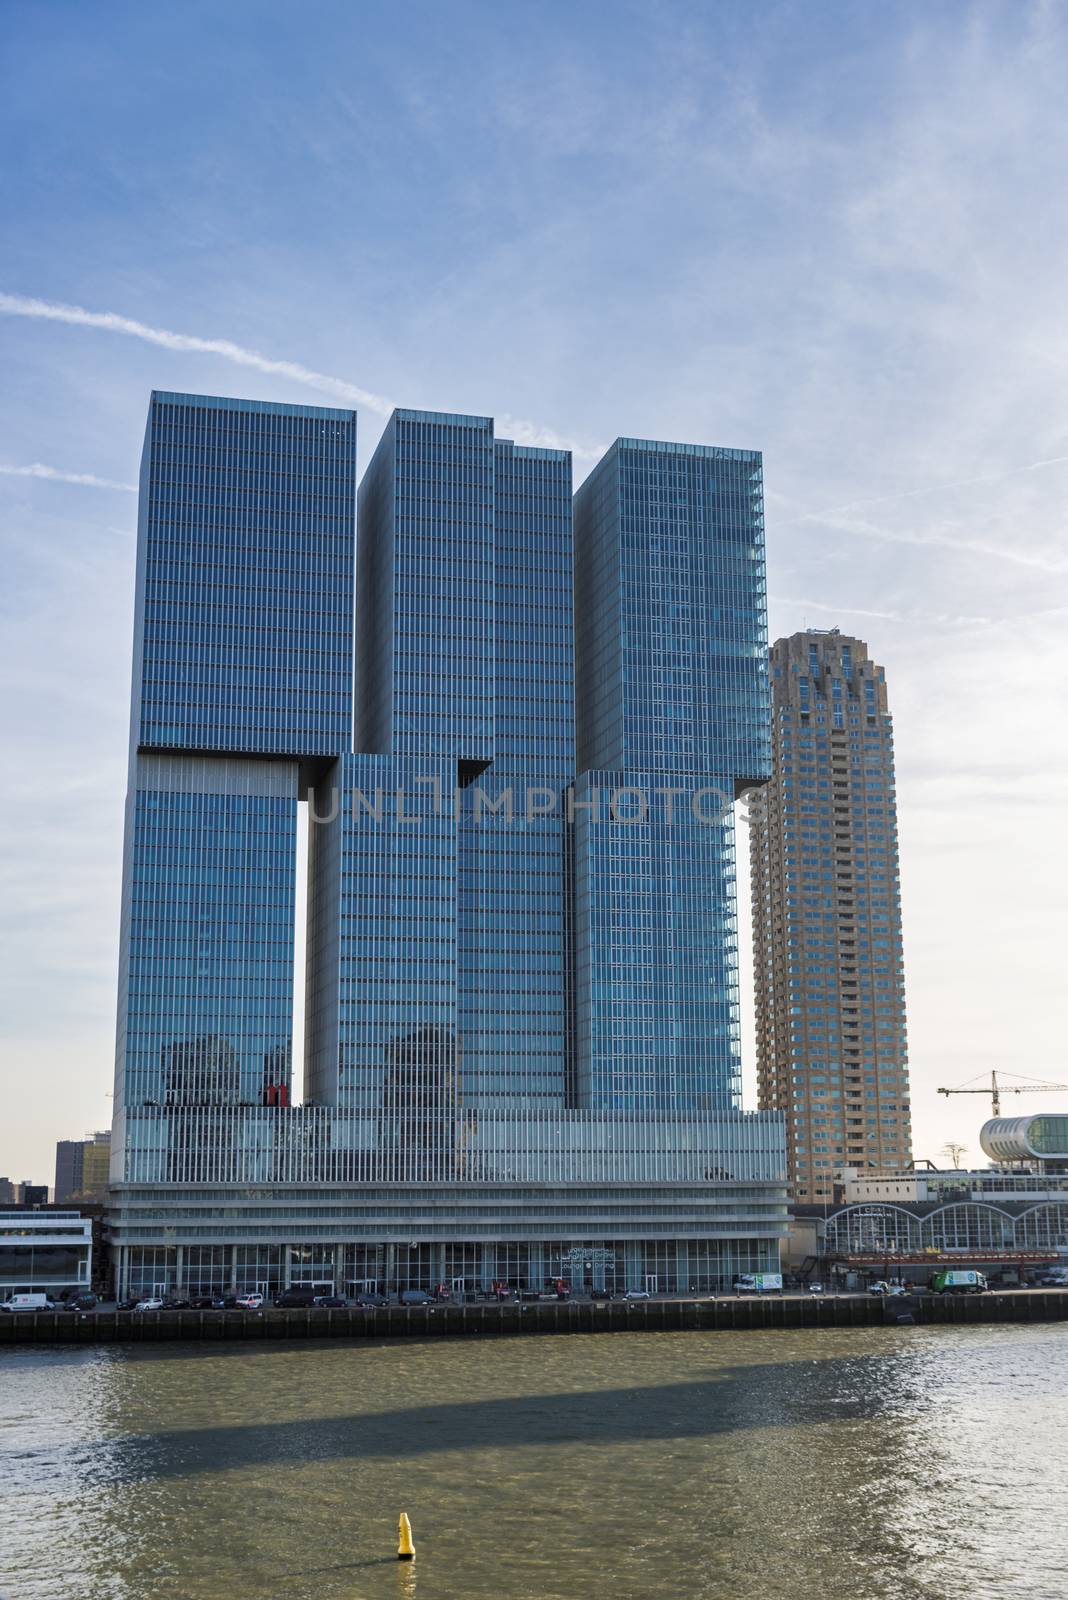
x: 997, y: 1089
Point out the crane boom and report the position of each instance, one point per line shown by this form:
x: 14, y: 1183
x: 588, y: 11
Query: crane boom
x: 996, y: 1090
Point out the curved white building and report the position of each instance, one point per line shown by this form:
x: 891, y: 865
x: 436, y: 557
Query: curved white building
x: 1042, y: 1137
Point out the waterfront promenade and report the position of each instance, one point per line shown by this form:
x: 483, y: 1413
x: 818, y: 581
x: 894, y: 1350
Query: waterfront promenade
x: 492, y: 1320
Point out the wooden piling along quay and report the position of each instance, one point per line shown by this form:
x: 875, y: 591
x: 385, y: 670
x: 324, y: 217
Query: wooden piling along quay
x: 491, y: 1320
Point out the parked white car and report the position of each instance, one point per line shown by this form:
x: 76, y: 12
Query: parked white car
x: 149, y: 1305
x: 249, y: 1302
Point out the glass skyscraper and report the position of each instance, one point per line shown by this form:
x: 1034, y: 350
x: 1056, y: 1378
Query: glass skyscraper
x: 673, y: 723
x: 242, y: 683
x: 521, y: 1010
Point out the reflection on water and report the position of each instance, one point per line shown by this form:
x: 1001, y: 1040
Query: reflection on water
x: 918, y: 1463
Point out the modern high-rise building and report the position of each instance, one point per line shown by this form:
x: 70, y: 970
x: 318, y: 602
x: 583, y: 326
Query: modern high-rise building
x: 521, y: 1008
x: 672, y: 726
x: 830, y: 994
x: 83, y: 1168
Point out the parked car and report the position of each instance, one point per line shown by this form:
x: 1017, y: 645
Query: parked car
x: 414, y: 1297
x: 249, y: 1302
x: 149, y: 1305
x: 637, y: 1294
x: 292, y: 1298
x: 331, y: 1302
x: 369, y: 1298
x: 128, y: 1305
x: 815, y: 1288
x: 177, y: 1303
x: 600, y: 1294
x: 207, y: 1302
x: 80, y: 1302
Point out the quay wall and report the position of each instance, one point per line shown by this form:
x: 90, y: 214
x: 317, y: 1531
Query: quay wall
x: 541, y: 1317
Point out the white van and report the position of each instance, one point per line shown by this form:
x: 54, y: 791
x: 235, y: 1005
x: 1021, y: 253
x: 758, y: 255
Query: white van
x: 28, y: 1302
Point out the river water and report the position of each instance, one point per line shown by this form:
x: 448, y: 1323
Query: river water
x: 920, y: 1463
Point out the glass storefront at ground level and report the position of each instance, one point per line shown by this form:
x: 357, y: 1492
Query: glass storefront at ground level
x: 663, y: 1266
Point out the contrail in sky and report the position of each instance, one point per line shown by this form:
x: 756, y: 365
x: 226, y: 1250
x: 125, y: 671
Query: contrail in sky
x: 89, y: 479
x: 17, y: 305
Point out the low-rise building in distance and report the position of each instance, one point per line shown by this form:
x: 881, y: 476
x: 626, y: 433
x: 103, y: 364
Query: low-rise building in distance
x: 1009, y: 1219
x: 45, y: 1251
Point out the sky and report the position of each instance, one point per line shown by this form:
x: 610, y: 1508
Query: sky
x: 837, y: 233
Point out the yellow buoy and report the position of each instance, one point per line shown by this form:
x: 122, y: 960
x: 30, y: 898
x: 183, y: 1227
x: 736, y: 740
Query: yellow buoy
x: 405, y: 1547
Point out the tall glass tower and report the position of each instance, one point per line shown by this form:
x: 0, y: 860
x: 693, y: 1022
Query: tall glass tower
x: 673, y: 724
x: 520, y: 1002
x: 242, y: 682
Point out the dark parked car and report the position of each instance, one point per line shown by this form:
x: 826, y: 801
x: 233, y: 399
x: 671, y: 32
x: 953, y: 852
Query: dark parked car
x: 331, y: 1302
x: 369, y: 1298
x: 600, y: 1294
x: 295, y: 1297
x: 414, y: 1297
x: 207, y: 1302
x: 79, y: 1302
x: 128, y: 1305
x: 177, y: 1303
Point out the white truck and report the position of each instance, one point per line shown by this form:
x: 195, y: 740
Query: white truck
x: 27, y: 1302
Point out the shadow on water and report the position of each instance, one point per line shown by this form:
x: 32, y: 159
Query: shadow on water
x: 778, y: 1395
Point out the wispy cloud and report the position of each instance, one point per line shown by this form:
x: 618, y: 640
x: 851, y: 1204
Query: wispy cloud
x: 858, y: 527
x: 532, y: 433
x: 922, y: 618
x: 821, y: 605
x: 55, y: 475
x: 17, y: 305
x: 933, y: 488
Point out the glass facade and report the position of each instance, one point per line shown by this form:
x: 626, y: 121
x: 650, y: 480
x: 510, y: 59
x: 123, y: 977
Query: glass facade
x: 425, y: 676
x: 521, y: 1013
x: 243, y: 618
x: 969, y: 1226
x: 206, y: 949
x: 673, y: 721
x: 656, y: 982
x: 243, y: 644
x: 42, y: 1250
x: 671, y: 607
x: 512, y: 912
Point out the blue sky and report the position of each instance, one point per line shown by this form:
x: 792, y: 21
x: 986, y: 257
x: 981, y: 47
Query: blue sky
x: 833, y: 232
